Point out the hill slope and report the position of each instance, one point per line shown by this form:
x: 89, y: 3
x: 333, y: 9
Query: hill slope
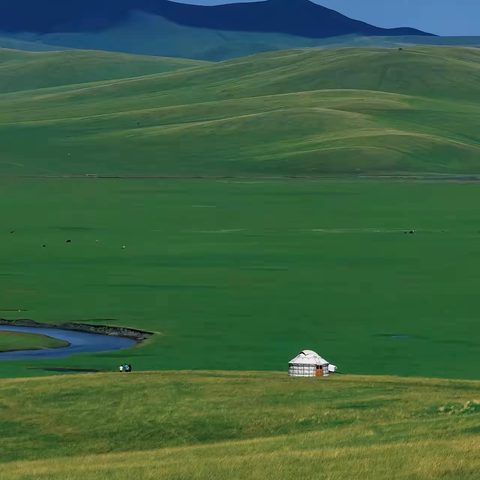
x: 206, y: 425
x: 293, y: 112
x: 28, y: 71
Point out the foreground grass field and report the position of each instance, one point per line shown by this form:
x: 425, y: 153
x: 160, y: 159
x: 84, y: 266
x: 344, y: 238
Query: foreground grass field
x: 13, y: 341
x: 238, y: 425
x: 303, y: 112
x: 241, y: 275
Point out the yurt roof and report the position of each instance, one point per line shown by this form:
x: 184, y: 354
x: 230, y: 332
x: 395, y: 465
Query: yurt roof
x: 308, y: 357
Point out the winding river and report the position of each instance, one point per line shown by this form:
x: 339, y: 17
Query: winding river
x: 80, y: 342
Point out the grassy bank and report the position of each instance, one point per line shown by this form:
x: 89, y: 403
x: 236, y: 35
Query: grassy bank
x: 240, y: 425
x: 14, y: 341
x: 242, y: 275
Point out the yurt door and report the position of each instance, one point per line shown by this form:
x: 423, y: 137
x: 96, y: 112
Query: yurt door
x: 319, y: 371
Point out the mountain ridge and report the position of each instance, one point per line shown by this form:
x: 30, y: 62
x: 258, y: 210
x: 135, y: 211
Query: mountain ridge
x: 294, y: 17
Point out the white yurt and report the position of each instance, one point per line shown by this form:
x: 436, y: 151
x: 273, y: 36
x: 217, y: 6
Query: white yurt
x: 308, y: 364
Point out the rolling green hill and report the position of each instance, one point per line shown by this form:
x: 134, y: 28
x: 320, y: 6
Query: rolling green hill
x: 297, y: 112
x: 240, y: 425
x: 21, y: 70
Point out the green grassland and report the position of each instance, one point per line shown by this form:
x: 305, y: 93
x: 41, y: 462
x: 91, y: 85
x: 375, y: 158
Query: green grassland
x: 35, y: 70
x: 13, y: 341
x: 300, y: 112
x: 260, y: 269
x: 241, y: 275
x: 238, y: 425
x: 235, y: 276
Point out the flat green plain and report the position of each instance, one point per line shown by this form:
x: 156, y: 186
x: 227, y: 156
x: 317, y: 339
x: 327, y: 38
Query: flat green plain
x: 14, y: 341
x: 241, y: 275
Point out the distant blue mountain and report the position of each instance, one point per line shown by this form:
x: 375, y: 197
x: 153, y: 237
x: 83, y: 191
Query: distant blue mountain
x: 295, y: 17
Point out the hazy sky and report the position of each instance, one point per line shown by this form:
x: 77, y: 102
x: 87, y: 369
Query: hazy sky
x: 443, y: 17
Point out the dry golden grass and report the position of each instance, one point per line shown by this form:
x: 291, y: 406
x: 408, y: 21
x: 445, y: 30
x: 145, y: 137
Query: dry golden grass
x: 217, y: 425
x: 296, y: 456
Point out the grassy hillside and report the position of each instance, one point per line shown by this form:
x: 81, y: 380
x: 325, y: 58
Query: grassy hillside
x: 406, y: 41
x: 287, y: 113
x: 33, y: 70
x: 238, y: 425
